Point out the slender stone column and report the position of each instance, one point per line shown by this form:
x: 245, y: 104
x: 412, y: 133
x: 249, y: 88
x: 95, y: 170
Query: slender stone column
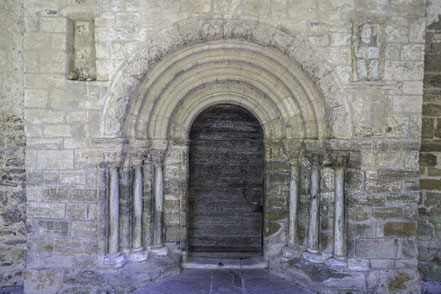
x: 137, y: 209
x: 339, y: 245
x: 314, y: 213
x: 114, y: 211
x: 159, y: 205
x: 293, y: 205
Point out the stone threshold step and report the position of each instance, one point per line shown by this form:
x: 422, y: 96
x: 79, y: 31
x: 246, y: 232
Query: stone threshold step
x: 225, y: 263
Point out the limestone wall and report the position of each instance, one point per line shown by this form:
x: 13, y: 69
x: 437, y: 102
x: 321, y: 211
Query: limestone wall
x: 429, y: 227
x: 12, y: 147
x: 363, y: 60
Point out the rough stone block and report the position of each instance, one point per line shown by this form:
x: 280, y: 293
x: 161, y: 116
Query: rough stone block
x: 397, y: 281
x: 75, y: 177
x: 58, y: 130
x: 31, y: 61
x: 427, y: 184
x: 427, y: 128
x: 365, y: 230
x: 381, y: 263
x: 76, y: 211
x: 377, y: 159
x: 36, y: 98
x: 164, y: 5
x: 397, y: 30
x: 413, y: 87
x: 385, y: 213
x: 367, y: 199
x: 126, y: 5
x: 55, y: 159
x: 383, y: 186
x: 70, y: 247
x: 412, y: 52
x: 256, y: 8
x: 431, y: 110
x: 53, y: 24
x: 81, y: 229
x: 408, y: 198
x: 35, y: 40
x: 400, y: 70
x: 46, y: 210
x: 432, y: 62
x: 396, y: 229
x: 428, y: 159
x: 58, y: 228
x: 43, y: 281
x: 52, y: 61
x: 359, y: 214
x: 44, y: 116
x: 380, y: 248
x: 395, y: 174
x: 66, y: 194
x: 406, y: 104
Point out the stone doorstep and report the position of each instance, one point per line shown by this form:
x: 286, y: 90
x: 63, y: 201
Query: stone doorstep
x: 225, y: 263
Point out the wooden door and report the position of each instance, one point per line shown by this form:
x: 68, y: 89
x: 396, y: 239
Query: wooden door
x: 226, y: 182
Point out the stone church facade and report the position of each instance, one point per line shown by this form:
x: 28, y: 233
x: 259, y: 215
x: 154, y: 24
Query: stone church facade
x: 103, y: 103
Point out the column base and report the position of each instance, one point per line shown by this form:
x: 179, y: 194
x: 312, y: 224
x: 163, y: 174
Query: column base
x: 336, y: 263
x: 138, y: 255
x: 116, y: 260
x: 316, y: 257
x: 291, y: 252
x: 160, y: 251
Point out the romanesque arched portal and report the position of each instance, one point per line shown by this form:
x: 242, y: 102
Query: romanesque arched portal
x: 275, y: 76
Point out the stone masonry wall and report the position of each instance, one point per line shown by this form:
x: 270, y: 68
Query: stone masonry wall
x: 63, y: 119
x: 429, y: 227
x: 12, y: 147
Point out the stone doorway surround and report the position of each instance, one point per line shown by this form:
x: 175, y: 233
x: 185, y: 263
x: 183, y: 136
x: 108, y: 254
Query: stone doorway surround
x: 295, y: 117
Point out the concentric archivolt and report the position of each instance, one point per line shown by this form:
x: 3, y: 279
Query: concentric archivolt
x: 225, y: 68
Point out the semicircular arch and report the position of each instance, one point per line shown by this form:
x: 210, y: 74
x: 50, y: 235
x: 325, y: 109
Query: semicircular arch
x: 147, y: 95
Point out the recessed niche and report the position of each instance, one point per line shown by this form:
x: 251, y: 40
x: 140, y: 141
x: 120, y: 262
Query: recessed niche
x: 82, y: 52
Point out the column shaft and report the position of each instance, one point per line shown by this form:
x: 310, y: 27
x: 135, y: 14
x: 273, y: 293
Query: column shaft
x: 159, y: 205
x: 293, y: 205
x: 339, y: 248
x: 314, y: 213
x: 137, y: 208
x: 114, y: 211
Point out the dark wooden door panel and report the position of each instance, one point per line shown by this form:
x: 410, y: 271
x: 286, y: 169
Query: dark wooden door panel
x: 226, y: 181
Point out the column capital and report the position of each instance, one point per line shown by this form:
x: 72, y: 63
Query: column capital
x: 157, y: 156
x: 337, y: 159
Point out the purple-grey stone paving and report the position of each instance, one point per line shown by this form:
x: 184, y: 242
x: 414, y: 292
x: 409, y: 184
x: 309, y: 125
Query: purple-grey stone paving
x: 240, y: 281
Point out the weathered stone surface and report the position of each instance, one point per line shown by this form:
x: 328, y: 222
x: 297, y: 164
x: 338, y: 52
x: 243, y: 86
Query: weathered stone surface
x: 408, y: 281
x: 43, y: 281
x: 386, y: 248
x: 428, y: 159
x: 394, y: 229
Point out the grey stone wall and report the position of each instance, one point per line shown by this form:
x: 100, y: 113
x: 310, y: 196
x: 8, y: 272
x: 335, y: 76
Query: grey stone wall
x: 12, y: 146
x: 429, y: 226
x: 134, y: 40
